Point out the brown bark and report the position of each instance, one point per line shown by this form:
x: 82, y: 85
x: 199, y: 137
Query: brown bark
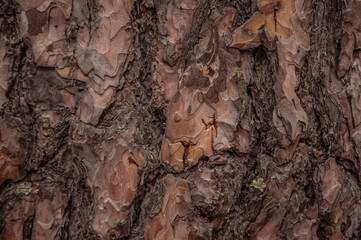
x: 180, y: 119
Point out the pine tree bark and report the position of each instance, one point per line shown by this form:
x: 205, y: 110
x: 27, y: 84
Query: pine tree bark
x: 168, y: 119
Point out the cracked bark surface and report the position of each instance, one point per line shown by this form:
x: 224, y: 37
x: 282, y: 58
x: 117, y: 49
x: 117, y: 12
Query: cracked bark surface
x: 168, y: 119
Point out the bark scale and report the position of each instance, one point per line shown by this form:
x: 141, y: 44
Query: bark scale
x: 168, y: 119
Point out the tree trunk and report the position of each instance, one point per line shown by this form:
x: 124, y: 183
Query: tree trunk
x: 168, y: 119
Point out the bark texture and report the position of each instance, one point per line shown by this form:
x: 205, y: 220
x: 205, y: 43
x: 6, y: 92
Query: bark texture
x: 180, y: 119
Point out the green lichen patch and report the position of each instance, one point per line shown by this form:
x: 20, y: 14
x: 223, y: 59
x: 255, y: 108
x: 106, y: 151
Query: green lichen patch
x: 258, y: 184
x: 238, y: 72
x: 24, y: 188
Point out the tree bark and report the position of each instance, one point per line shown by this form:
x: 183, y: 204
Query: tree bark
x: 168, y: 119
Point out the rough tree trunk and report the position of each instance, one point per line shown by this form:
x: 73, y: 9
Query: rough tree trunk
x: 171, y: 119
